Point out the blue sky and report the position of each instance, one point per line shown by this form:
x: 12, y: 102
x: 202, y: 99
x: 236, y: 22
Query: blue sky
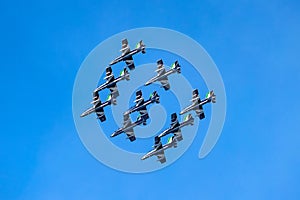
x: 255, y: 45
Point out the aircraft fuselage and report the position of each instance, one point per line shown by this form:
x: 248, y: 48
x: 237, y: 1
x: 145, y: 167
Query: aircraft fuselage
x: 123, y: 57
x: 193, y: 107
x: 109, y: 84
x: 140, y: 107
x: 95, y: 108
x: 159, y: 151
x: 128, y: 127
x: 161, y: 76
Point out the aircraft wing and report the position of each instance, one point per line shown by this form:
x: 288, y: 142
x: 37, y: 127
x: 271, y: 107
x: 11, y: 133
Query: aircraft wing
x: 100, y: 114
x: 159, y: 148
x: 126, y: 120
x: 114, y: 91
x: 109, y: 76
x: 139, y: 100
x: 125, y: 47
x: 196, y: 98
x: 160, y: 75
x: 129, y: 62
x: 126, y: 123
x: 130, y: 134
x: 161, y: 157
x: 125, y: 51
x: 160, y: 67
x: 199, y: 111
x: 165, y: 83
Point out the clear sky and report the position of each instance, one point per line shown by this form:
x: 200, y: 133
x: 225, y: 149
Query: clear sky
x: 255, y: 45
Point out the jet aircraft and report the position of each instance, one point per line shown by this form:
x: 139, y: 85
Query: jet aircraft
x: 98, y: 106
x: 197, y: 103
x: 141, y: 104
x: 162, y: 74
x: 176, y: 126
x: 127, y: 53
x: 111, y: 81
x: 128, y: 127
x: 159, y: 149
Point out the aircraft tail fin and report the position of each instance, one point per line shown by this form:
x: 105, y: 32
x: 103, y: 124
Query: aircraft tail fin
x: 189, y: 119
x: 111, y: 99
x: 154, y: 97
x: 142, y: 46
x: 143, y: 117
x: 211, y: 95
x: 173, y: 139
x: 124, y: 73
x: 176, y: 66
x: 170, y: 139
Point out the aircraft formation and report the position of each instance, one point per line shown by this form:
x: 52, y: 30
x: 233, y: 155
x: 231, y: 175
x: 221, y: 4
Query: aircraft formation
x: 140, y: 104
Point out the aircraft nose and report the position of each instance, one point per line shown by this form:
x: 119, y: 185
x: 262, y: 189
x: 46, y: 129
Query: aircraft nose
x: 113, y: 135
x: 145, y: 157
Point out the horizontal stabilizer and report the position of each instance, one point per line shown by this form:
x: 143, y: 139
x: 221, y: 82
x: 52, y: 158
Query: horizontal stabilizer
x: 211, y: 95
x: 189, y: 119
x: 176, y: 66
x: 124, y: 73
x: 141, y: 45
x: 154, y: 97
x: 111, y: 99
